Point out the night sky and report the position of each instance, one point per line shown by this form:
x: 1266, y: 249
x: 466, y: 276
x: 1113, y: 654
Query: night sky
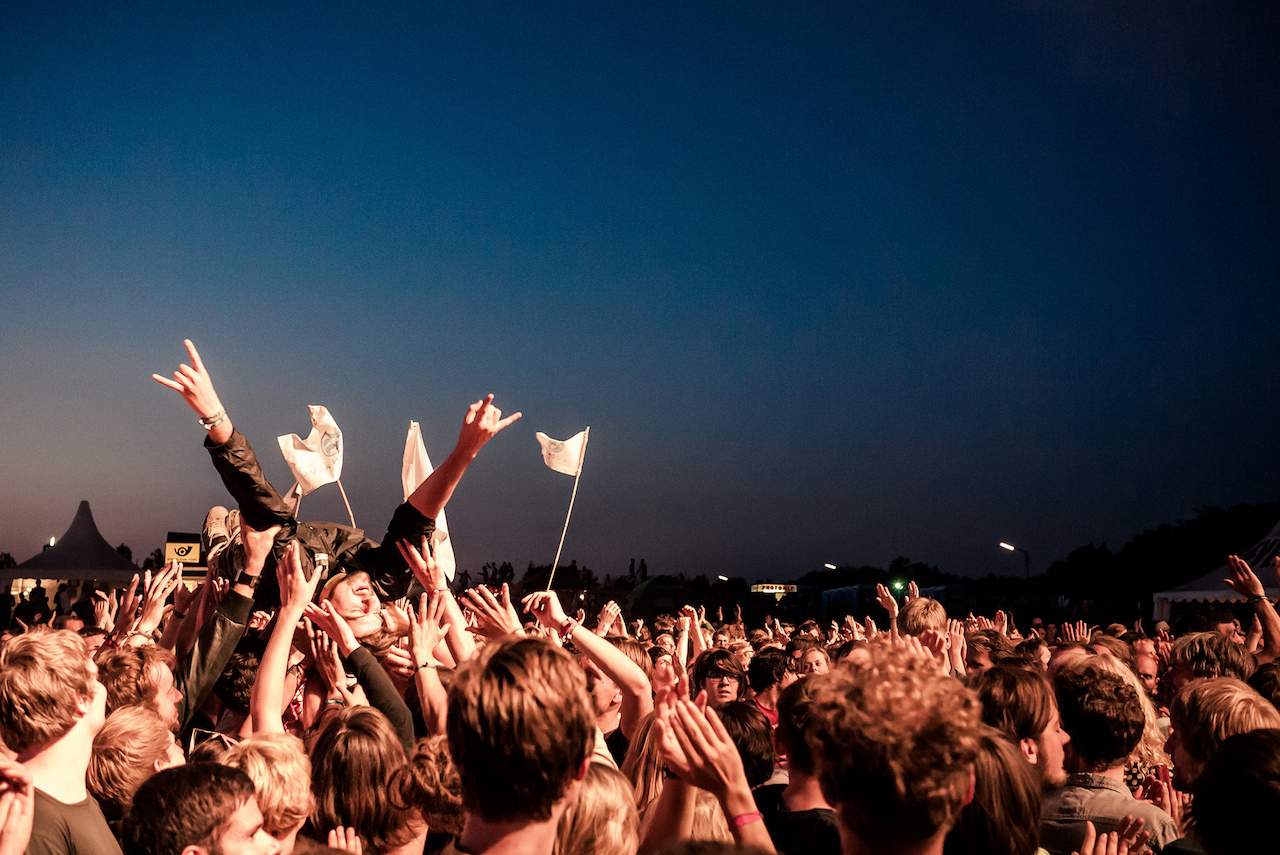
x: 830, y: 282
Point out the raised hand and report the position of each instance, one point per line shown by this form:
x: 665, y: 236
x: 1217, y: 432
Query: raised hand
x: 1001, y: 623
x: 608, y: 616
x: 194, y: 384
x: 345, y: 839
x: 334, y: 625
x: 257, y: 545
x: 1243, y: 580
x: 482, y: 423
x: 428, y: 628
x: 396, y: 617
x: 495, y: 616
x: 546, y: 609
x: 104, y: 611
x: 887, y: 602
x: 706, y: 756
x: 1130, y: 838
x: 913, y: 591
x: 17, y: 807
x: 422, y: 564
x: 156, y: 594
x: 296, y: 590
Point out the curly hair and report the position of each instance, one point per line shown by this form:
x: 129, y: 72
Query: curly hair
x: 896, y: 743
x: 43, y: 675
x: 430, y: 782
x: 128, y: 673
x: 1103, y: 714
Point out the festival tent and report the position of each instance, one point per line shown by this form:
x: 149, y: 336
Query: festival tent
x: 1210, y: 588
x: 81, y: 553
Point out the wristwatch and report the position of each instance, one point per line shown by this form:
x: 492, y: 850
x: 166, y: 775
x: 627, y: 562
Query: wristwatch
x: 249, y: 579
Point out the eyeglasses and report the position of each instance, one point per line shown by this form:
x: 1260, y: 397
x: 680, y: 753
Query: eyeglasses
x: 728, y: 678
x: 199, y: 736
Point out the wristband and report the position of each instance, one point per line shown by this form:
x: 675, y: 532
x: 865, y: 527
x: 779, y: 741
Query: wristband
x: 746, y: 819
x: 213, y: 421
x: 1258, y: 598
x: 246, y: 578
x: 428, y: 666
x: 567, y: 628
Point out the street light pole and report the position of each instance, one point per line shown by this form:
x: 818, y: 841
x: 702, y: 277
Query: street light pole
x: 1026, y: 555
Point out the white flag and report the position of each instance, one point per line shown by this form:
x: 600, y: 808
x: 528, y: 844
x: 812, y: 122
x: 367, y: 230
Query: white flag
x: 316, y: 460
x: 414, y: 468
x: 563, y: 456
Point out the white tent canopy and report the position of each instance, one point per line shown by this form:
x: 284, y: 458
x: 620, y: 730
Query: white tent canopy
x: 1210, y: 588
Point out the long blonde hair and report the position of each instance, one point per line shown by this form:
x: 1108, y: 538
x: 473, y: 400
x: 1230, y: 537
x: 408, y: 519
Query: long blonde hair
x: 602, y: 820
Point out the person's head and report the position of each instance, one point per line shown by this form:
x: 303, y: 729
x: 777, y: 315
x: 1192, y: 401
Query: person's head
x: 1114, y: 646
x: 767, y: 668
x: 520, y: 730
x: 983, y: 646
x: 234, y: 687
x: 1237, y: 796
x: 1147, y: 667
x: 132, y: 746
x: 354, y: 597
x: 281, y: 773
x: 196, y: 809
x: 70, y: 620
x: 1035, y: 649
x: 752, y: 735
x: 720, y: 638
x: 1020, y: 704
x: 141, y: 675
x: 895, y: 743
x: 743, y: 650
x: 48, y: 687
x: 815, y: 660
x: 602, y: 818
x: 921, y: 615
x: 1202, y: 655
x: 1004, y: 816
x: 720, y: 673
x: 1204, y: 714
x: 430, y: 783
x: 1266, y: 682
x: 795, y: 719
x: 1150, y: 749
x: 666, y: 642
x: 605, y: 694
x: 355, y: 754
x: 1103, y: 715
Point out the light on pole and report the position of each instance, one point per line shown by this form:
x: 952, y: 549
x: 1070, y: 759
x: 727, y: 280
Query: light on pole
x: 723, y: 578
x: 1026, y: 556
x: 829, y: 566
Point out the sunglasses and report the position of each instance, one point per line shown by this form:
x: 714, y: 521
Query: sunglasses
x: 199, y: 736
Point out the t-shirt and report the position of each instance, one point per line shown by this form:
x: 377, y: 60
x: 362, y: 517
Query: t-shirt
x: 70, y: 829
x: 797, y: 832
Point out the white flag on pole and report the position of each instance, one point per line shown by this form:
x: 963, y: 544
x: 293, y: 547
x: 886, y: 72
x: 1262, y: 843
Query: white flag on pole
x: 564, y: 457
x: 414, y: 468
x: 316, y: 460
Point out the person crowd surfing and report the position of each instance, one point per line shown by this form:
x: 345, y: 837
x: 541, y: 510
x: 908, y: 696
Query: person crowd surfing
x: 322, y: 692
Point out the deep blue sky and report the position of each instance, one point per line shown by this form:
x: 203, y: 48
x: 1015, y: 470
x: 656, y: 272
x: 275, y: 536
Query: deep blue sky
x: 828, y: 281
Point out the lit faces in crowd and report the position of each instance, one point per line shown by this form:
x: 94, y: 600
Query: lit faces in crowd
x: 357, y: 602
x: 1050, y: 753
x: 167, y: 695
x: 722, y: 687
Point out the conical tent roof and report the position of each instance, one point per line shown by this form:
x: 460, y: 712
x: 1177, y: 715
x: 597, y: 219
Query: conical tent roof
x: 81, y: 553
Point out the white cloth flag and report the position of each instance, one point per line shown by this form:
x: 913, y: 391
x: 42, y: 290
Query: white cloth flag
x: 415, y: 466
x: 316, y: 460
x: 566, y: 456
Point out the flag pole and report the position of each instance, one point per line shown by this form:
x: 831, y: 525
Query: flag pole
x: 582, y: 456
x: 347, y: 503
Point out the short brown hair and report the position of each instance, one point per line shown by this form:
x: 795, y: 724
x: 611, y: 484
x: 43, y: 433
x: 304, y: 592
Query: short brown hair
x: 1015, y: 701
x: 895, y: 742
x: 921, y: 615
x: 281, y: 773
x: 124, y: 755
x: 44, y: 674
x: 520, y: 728
x: 128, y: 673
x: 1205, y: 712
x: 1208, y: 654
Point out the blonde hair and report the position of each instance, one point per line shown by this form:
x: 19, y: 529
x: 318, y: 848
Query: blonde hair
x: 1150, y: 749
x: 1205, y: 712
x: 125, y: 753
x: 642, y: 767
x: 602, y: 819
x: 281, y: 773
x: 44, y: 674
x: 922, y: 614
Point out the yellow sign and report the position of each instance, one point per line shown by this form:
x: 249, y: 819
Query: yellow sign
x: 186, y: 552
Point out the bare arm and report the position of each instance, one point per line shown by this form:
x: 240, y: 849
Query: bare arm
x: 426, y: 633
x: 460, y: 643
x: 482, y: 423
x: 1244, y: 581
x: 637, y: 694
x: 268, y: 699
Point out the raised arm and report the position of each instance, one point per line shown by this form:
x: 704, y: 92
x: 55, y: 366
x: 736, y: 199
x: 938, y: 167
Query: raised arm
x: 195, y: 386
x: 267, y: 702
x: 482, y: 423
x: 461, y: 645
x: 637, y: 694
x: 426, y: 632
x: 1245, y: 582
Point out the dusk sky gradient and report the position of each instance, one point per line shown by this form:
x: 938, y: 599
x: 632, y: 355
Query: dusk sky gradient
x: 830, y: 282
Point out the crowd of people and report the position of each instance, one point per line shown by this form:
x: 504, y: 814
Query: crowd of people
x: 322, y: 692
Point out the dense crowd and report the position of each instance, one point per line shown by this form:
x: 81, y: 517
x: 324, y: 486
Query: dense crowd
x: 322, y: 692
